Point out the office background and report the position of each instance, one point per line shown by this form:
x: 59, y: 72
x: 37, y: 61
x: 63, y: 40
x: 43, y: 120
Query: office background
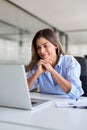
x: 20, y: 20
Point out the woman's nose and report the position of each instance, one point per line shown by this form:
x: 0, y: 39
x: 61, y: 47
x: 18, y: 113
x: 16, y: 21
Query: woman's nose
x: 42, y: 50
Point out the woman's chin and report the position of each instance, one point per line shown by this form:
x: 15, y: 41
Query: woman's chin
x: 44, y: 58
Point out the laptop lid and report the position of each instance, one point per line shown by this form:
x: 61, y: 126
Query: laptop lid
x: 14, y: 91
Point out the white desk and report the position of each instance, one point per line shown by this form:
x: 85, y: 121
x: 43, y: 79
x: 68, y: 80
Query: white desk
x: 10, y: 126
x: 48, y: 117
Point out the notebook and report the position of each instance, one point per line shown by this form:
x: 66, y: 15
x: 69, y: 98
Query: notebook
x: 14, y: 91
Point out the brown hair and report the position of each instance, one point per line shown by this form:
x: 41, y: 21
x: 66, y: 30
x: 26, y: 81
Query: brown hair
x: 51, y: 37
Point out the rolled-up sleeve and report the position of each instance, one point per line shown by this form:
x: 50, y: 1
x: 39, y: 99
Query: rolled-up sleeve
x: 29, y: 74
x: 73, y: 69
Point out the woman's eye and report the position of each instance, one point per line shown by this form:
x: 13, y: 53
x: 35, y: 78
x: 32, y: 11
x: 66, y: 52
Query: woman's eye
x: 45, y: 46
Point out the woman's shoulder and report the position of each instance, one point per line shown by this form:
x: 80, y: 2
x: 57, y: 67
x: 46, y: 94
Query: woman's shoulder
x: 69, y: 59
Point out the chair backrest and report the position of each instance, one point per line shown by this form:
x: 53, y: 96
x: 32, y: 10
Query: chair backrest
x: 83, y: 75
x: 83, y: 64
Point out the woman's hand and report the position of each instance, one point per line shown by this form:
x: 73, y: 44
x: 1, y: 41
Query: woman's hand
x: 45, y: 65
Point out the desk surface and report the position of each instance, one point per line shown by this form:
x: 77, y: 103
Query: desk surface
x: 48, y: 117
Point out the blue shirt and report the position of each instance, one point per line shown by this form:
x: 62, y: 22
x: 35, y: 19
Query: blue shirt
x: 69, y: 68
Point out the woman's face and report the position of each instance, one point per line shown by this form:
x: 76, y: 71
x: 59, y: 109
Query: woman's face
x: 45, y: 49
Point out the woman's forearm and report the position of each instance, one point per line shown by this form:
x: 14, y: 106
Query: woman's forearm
x: 63, y: 83
x: 32, y: 79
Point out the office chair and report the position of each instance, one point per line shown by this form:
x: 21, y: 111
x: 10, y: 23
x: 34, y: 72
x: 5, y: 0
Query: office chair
x: 83, y: 75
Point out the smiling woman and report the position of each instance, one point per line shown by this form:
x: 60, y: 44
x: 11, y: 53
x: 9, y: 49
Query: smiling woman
x: 51, y: 69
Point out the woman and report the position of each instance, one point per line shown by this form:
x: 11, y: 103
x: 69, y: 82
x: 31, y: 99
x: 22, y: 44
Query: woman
x: 51, y: 69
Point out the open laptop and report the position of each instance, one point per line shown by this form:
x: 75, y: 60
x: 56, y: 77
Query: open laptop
x: 14, y: 91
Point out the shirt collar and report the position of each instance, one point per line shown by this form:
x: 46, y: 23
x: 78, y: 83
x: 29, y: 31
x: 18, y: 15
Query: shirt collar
x: 59, y: 61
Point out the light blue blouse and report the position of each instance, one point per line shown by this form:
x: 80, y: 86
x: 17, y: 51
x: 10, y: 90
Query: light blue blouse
x: 70, y: 69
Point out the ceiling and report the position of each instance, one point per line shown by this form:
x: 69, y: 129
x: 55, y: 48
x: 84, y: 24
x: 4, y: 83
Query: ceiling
x: 69, y: 16
x: 63, y: 14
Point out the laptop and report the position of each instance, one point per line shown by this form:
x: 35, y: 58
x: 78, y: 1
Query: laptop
x: 14, y: 91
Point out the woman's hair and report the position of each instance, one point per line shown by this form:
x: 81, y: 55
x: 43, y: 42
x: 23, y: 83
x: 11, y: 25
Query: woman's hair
x: 51, y: 37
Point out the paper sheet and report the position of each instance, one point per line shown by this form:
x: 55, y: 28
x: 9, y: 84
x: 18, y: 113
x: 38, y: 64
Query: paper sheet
x: 80, y: 103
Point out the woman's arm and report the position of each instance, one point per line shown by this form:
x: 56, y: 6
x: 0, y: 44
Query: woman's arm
x: 32, y: 79
x: 37, y: 73
x: 63, y: 83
